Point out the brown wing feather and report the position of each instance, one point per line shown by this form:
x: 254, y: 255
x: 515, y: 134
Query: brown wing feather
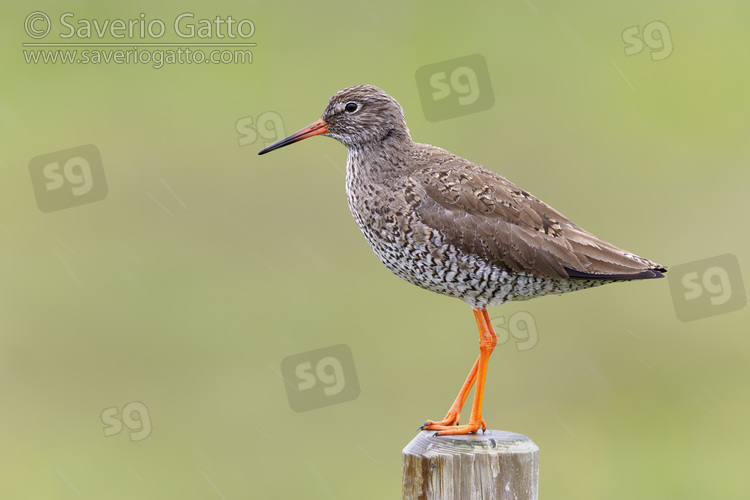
x: 481, y: 212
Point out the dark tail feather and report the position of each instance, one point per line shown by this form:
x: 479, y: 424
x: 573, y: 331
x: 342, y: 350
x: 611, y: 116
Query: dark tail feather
x: 641, y: 275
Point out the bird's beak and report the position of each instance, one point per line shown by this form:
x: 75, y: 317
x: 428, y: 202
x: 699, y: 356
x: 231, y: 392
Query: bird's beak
x: 317, y: 128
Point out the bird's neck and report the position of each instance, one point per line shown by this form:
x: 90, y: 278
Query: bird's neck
x: 374, y: 160
x: 373, y: 168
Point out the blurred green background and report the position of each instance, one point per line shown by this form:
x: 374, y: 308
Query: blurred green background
x: 206, y: 265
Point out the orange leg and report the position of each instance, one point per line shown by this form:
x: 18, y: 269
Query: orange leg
x: 478, y: 374
x: 454, y: 414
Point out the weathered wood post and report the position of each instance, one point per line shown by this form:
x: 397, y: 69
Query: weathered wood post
x: 496, y: 465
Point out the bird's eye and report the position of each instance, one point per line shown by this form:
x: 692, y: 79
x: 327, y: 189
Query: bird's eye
x: 351, y: 107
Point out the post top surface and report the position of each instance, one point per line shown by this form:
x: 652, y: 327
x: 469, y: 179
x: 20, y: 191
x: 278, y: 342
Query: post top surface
x: 492, y: 441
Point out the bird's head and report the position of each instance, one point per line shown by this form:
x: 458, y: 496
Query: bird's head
x: 358, y: 117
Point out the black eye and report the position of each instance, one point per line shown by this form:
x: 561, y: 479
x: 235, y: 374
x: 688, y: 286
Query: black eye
x: 351, y: 107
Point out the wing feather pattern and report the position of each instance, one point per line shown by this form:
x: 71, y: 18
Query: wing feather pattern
x: 482, y: 213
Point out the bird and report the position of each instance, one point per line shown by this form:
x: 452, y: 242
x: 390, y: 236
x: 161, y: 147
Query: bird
x: 453, y: 227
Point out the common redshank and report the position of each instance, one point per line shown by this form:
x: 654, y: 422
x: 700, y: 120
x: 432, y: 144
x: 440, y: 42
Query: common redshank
x: 451, y: 226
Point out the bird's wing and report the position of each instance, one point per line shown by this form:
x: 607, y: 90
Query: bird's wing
x: 482, y: 213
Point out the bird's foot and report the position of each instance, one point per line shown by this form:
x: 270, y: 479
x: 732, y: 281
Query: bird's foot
x: 449, y: 425
x: 452, y: 430
x: 452, y: 418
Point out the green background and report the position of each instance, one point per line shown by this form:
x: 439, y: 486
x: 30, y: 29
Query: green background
x: 188, y: 303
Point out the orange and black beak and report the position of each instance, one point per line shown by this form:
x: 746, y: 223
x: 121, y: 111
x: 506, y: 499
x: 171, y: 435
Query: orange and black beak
x: 317, y: 128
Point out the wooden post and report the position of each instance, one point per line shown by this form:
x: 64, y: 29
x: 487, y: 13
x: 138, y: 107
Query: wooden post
x: 496, y: 465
